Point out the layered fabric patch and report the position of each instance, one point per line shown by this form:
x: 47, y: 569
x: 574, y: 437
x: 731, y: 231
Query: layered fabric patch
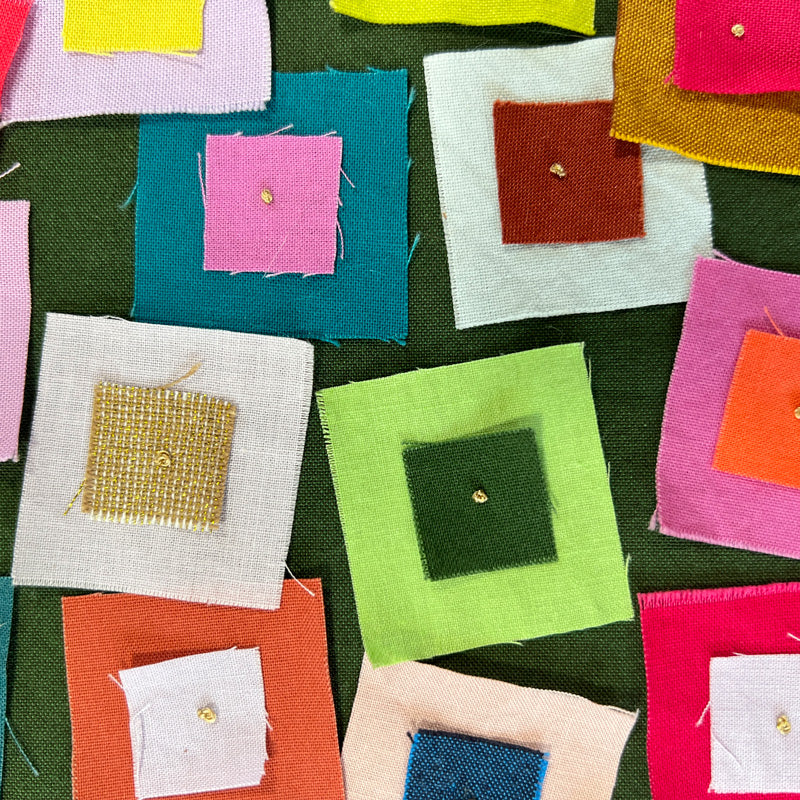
x: 464, y: 488
x: 684, y: 634
x: 561, y: 178
x: 366, y: 297
x: 13, y: 14
x: 6, y: 609
x: 730, y: 307
x: 15, y: 320
x: 405, y: 615
x: 445, y: 765
x: 583, y: 741
x: 197, y: 723
x: 271, y: 203
x: 232, y: 72
x: 109, y: 26
x: 182, y: 690
x: 758, y: 132
x: 731, y: 47
x: 496, y: 282
x: 576, y: 15
x: 208, y: 501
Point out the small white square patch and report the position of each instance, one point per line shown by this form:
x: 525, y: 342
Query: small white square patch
x: 754, y: 699
x: 198, y: 724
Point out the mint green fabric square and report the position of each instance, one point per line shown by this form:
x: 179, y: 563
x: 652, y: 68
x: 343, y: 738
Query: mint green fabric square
x: 404, y: 616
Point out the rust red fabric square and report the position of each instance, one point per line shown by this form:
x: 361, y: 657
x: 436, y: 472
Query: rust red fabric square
x: 562, y: 178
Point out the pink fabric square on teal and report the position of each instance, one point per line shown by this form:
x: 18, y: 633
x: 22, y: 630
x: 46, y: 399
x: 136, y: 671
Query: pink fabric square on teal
x: 737, y: 46
x: 272, y: 203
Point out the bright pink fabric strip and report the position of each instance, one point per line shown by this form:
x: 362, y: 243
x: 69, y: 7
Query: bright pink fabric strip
x: 15, y: 319
x: 710, y: 57
x: 682, y: 631
x: 13, y: 14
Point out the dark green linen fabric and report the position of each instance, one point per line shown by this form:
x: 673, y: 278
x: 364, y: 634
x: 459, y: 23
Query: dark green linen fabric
x: 459, y: 536
x: 77, y: 172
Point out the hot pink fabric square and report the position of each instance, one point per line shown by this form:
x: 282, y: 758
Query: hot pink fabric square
x: 694, y: 501
x: 15, y: 320
x: 13, y: 14
x: 737, y: 46
x: 272, y: 203
x: 682, y: 631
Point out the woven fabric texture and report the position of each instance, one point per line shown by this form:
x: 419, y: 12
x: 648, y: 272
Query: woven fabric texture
x: 197, y: 723
x: 271, y: 203
x: 576, y: 15
x: 107, y: 633
x: 6, y: 609
x: 366, y: 298
x: 480, y: 504
x: 393, y: 702
x: 242, y: 561
x: 496, y: 283
x: 15, y: 320
x: 682, y: 632
x: 587, y: 186
x: 694, y: 500
x: 109, y: 26
x: 232, y: 73
x: 449, y: 766
x: 760, y: 433
x: 13, y: 14
x: 402, y: 614
x: 730, y: 47
x: 757, y: 132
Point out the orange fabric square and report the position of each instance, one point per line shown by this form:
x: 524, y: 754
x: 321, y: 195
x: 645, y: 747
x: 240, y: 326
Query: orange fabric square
x: 562, y: 178
x: 104, y: 633
x: 760, y: 434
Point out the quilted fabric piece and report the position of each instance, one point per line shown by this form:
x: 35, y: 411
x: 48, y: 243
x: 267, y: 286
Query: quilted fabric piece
x: 232, y: 73
x: 492, y: 282
x: 393, y: 703
x: 157, y: 26
x: 576, y: 15
x: 758, y: 132
x: 104, y: 634
x: 13, y: 14
x: 197, y: 723
x: 402, y: 614
x: 480, y: 504
x: 241, y: 562
x: 682, y: 632
x: 731, y: 47
x: 694, y: 500
x: 6, y: 608
x: 448, y: 765
x: 15, y: 320
x: 562, y: 178
x: 272, y: 203
x: 366, y: 298
x: 760, y: 433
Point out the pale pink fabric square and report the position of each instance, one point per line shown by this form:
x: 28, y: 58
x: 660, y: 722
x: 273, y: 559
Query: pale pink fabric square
x: 737, y: 46
x: 15, y: 320
x: 272, y: 203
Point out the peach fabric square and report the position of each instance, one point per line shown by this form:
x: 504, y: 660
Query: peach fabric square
x: 760, y: 433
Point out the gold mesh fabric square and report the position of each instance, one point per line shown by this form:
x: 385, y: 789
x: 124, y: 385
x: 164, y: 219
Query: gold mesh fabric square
x: 158, y: 457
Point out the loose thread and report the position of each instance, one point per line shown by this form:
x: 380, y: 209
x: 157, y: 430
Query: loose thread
x: 112, y: 678
x: 769, y: 317
x: 703, y: 715
x: 346, y: 178
x: 21, y: 751
x: 10, y: 169
x: 294, y: 578
x: 416, y: 242
x: 189, y: 374
x: 130, y: 197
x: 200, y: 175
x: 281, y: 130
x: 341, y: 239
x: 792, y: 636
x: 77, y: 495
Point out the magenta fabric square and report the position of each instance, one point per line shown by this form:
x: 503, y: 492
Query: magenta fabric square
x: 737, y: 46
x: 15, y: 320
x: 694, y: 501
x: 682, y: 632
x: 272, y: 203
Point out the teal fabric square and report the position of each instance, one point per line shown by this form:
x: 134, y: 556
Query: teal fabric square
x: 480, y: 504
x: 6, y: 608
x: 366, y: 297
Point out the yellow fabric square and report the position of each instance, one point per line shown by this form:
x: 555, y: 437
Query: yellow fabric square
x: 157, y: 26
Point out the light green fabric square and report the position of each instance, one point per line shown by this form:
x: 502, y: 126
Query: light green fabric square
x: 403, y: 616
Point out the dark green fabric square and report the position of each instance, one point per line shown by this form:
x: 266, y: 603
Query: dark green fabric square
x: 459, y: 536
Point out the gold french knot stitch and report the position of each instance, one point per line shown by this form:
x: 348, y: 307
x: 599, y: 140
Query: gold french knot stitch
x: 558, y: 170
x: 783, y: 724
x: 479, y: 496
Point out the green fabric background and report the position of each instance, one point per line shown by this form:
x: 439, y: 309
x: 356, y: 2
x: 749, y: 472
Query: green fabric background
x: 76, y: 172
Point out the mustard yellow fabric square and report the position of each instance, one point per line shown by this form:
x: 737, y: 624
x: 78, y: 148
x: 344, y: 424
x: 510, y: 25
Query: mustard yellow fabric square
x: 114, y: 26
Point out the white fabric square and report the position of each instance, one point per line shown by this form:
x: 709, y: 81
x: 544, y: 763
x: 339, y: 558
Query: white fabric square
x: 749, y: 694
x: 492, y: 282
x: 198, y: 724
x: 241, y: 562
